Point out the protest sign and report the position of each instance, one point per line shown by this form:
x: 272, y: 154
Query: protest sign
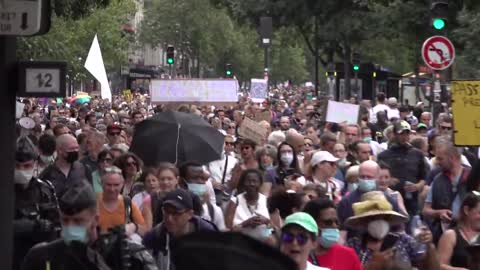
x: 338, y: 112
x: 194, y: 91
x: 253, y: 131
x: 258, y: 90
x: 466, y: 112
x: 263, y: 116
x: 19, y: 109
x: 127, y: 94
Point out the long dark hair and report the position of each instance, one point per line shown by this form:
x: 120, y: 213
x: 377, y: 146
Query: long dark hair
x: 294, y: 164
x: 471, y: 201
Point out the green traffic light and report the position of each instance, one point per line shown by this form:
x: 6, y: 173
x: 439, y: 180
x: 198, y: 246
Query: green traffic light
x: 170, y: 61
x: 438, y: 23
x: 356, y: 67
x: 228, y: 72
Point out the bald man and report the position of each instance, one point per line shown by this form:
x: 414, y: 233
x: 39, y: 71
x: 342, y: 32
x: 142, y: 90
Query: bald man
x: 66, y: 170
x: 369, y: 173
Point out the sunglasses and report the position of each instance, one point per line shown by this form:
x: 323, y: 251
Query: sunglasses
x: 330, y: 222
x: 445, y: 128
x: 229, y: 143
x: 231, y: 127
x: 133, y: 163
x: 246, y: 147
x: 308, y: 144
x: 301, y: 238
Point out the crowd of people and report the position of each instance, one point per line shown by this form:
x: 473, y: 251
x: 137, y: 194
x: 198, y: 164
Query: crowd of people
x: 390, y: 192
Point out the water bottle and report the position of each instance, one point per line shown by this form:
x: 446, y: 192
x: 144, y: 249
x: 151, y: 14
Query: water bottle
x: 408, y: 195
x: 416, y: 228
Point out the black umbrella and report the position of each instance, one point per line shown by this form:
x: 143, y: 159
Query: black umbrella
x: 227, y: 251
x: 176, y: 137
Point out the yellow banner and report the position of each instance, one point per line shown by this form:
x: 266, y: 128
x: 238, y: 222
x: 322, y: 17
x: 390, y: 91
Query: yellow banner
x: 466, y: 112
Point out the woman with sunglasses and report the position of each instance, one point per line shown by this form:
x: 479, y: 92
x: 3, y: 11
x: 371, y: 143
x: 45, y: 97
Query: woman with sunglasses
x: 299, y: 238
x: 328, y: 252
x: 104, y: 160
x: 131, y: 166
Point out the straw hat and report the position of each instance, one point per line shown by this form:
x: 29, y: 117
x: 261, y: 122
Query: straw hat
x: 373, y: 204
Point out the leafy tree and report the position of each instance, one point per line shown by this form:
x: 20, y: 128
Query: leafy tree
x: 70, y: 39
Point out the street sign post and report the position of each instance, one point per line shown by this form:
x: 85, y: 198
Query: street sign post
x: 42, y: 79
x: 24, y: 17
x: 438, y: 52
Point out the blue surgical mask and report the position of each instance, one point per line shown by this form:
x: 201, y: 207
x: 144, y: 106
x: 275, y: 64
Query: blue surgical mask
x: 367, y: 139
x: 366, y: 185
x: 287, y: 159
x: 328, y: 237
x: 74, y: 233
x: 197, y: 189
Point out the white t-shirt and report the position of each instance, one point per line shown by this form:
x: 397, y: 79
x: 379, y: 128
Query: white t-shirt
x: 218, y: 219
x: 375, y: 110
x: 310, y: 266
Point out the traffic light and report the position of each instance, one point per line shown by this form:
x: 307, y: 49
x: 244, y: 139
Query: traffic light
x: 228, y: 71
x: 438, y: 13
x: 356, y: 61
x: 170, y: 55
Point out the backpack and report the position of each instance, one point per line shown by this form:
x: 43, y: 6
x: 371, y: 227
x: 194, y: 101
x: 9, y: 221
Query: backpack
x: 127, y: 202
x: 211, y: 212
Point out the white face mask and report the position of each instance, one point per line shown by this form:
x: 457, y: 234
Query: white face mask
x: 23, y: 177
x: 287, y: 159
x: 378, y: 229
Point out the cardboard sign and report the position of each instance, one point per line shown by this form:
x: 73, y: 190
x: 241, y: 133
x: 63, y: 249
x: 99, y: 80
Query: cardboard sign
x: 194, y: 91
x: 466, y: 112
x: 263, y: 116
x: 127, y: 95
x: 253, y: 131
x: 258, y: 90
x: 338, y: 112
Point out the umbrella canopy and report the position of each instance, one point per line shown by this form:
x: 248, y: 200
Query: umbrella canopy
x: 227, y: 251
x: 176, y: 137
x: 80, y: 99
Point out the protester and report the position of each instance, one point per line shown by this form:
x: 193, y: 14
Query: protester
x: 298, y: 238
x: 248, y: 212
x: 131, y: 167
x: 287, y: 172
x: 324, y: 168
x: 46, y: 153
x: 407, y: 165
x: 452, y: 247
x: 179, y: 220
x: 375, y: 213
x: 115, y: 209
x: 66, y: 170
x: 104, y: 160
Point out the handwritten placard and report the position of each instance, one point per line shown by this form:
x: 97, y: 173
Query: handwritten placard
x: 263, y: 116
x: 194, y: 91
x: 466, y: 112
x: 253, y: 131
x: 339, y: 112
x: 258, y: 90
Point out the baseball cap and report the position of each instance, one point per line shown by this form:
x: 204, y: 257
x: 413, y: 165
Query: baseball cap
x: 401, y: 126
x: 303, y: 220
x: 392, y: 101
x: 322, y: 156
x: 422, y: 125
x: 77, y: 198
x: 113, y: 128
x: 179, y: 198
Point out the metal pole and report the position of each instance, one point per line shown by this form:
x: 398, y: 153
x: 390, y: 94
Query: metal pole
x: 266, y: 58
x: 356, y: 85
x: 316, y: 56
x: 7, y: 144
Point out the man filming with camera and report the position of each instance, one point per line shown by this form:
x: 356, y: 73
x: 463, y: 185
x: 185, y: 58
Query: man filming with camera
x: 36, y: 209
x: 81, y: 247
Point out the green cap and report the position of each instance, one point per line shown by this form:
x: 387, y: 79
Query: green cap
x: 422, y: 125
x: 303, y: 220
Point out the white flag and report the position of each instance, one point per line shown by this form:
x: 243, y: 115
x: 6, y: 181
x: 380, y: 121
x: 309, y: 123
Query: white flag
x: 94, y: 65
